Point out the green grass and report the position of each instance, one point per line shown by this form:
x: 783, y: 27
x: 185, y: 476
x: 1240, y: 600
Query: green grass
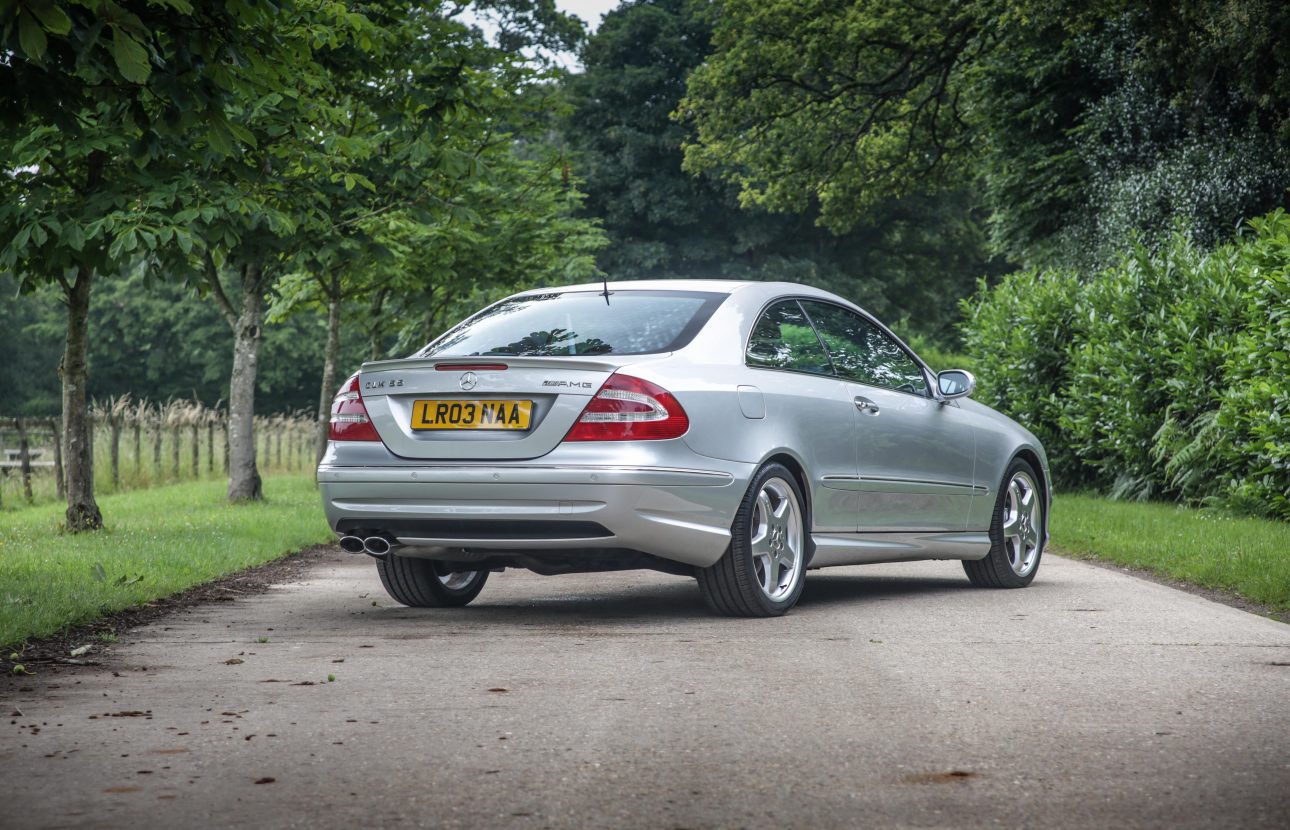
x: 1250, y: 557
x: 157, y: 542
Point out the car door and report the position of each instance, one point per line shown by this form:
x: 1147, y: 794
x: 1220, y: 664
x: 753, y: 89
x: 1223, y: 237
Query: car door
x: 810, y: 408
x: 915, y: 455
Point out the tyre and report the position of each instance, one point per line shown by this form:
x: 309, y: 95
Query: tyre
x: 1016, y: 532
x: 426, y: 583
x: 762, y: 571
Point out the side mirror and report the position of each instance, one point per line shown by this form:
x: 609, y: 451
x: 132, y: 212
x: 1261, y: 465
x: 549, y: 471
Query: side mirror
x: 955, y: 383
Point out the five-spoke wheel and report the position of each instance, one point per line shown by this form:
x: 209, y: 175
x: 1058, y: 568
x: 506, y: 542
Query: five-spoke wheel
x: 761, y: 573
x: 1016, y: 532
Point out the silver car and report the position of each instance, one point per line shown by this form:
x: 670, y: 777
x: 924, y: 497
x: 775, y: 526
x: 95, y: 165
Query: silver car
x: 737, y: 432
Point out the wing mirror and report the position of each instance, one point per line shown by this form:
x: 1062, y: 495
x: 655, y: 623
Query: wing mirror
x: 955, y: 383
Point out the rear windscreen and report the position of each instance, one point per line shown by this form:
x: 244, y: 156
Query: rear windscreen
x: 581, y: 323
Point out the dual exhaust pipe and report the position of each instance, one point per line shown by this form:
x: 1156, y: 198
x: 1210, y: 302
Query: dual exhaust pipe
x: 378, y: 546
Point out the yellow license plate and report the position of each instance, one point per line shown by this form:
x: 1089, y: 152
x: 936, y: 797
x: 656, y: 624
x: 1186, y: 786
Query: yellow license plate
x: 471, y: 414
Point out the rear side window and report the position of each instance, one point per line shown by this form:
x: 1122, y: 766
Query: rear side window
x: 581, y: 323
x: 782, y: 338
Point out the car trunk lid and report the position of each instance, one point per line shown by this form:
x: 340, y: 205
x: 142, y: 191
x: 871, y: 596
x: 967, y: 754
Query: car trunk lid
x: 481, y: 408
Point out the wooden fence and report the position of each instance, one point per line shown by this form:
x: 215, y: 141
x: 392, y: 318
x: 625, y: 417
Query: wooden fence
x: 139, y: 444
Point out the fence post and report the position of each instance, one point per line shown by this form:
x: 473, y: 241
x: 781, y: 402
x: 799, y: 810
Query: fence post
x: 137, y: 426
x: 210, y: 443
x: 194, y: 434
x: 24, y: 456
x: 174, y: 448
x: 156, y: 448
x: 114, y: 421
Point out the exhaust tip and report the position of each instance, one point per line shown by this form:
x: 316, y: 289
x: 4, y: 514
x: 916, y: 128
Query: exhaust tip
x: 377, y: 545
x: 351, y: 544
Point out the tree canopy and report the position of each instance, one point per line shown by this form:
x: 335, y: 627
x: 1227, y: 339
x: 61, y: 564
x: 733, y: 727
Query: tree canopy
x: 1079, y: 123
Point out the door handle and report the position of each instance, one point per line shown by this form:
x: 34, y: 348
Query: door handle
x: 866, y: 405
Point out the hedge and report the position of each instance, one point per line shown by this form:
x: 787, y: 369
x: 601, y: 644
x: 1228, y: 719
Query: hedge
x: 1165, y: 375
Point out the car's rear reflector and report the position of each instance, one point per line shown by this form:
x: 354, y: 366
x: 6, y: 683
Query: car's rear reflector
x: 349, y: 419
x: 628, y: 408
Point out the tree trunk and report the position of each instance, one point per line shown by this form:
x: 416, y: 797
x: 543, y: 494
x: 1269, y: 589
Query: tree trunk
x: 244, y: 482
x: 78, y: 454
x: 330, y: 356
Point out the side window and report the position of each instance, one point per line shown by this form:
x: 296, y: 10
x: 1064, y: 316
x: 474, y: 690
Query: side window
x: 783, y: 338
x: 863, y: 352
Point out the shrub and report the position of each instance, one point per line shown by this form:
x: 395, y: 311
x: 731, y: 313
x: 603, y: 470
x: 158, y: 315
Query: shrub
x: 1254, y: 415
x: 1152, y: 334
x: 1166, y: 374
x: 1017, y: 336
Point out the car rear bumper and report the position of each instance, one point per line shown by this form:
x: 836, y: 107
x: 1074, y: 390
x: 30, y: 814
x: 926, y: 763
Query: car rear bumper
x: 679, y: 514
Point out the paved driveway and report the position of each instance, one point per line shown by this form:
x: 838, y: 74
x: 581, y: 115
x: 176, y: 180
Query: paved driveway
x: 892, y: 696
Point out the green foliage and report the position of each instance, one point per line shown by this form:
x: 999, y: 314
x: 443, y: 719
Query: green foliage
x: 156, y: 342
x: 1075, y: 123
x: 1255, y: 409
x: 902, y: 258
x: 1162, y: 375
x: 1018, y: 335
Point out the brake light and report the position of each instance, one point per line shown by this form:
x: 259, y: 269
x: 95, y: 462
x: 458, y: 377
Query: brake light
x: 630, y: 409
x: 349, y: 420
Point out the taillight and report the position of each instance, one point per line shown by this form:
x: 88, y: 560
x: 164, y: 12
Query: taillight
x: 630, y: 409
x: 349, y: 420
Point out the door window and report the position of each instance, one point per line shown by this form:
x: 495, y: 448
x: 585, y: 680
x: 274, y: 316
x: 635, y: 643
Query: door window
x: 862, y: 352
x: 783, y: 338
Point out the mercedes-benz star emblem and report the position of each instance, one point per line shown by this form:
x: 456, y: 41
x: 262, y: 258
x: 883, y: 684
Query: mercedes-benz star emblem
x: 468, y: 381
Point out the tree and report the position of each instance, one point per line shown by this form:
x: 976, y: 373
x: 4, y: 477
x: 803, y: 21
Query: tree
x: 98, y: 102
x: 1078, y: 123
x: 900, y: 259
x: 427, y: 129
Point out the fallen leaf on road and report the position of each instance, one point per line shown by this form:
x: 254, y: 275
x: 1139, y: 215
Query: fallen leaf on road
x: 122, y: 789
x: 265, y: 780
x: 305, y: 683
x: 129, y: 713
x: 951, y: 777
x: 499, y: 689
x: 175, y: 751
x: 79, y: 650
x: 234, y: 661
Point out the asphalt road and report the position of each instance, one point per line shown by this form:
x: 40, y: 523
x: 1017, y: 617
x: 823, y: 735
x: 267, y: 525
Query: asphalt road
x: 893, y: 696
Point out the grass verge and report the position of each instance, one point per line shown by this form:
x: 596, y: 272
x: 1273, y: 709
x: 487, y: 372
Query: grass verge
x: 157, y: 542
x: 1249, y: 557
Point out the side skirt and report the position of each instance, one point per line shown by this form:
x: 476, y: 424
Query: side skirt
x: 870, y: 548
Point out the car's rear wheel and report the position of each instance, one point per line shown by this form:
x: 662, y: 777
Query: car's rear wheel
x: 762, y: 571
x: 1016, y: 532
x: 426, y: 583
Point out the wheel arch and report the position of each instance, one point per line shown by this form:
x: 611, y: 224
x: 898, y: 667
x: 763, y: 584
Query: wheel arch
x: 1036, y: 462
x: 795, y: 466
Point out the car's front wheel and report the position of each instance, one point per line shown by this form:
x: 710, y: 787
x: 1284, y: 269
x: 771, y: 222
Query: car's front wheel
x: 1016, y: 532
x: 425, y: 583
x: 761, y: 573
